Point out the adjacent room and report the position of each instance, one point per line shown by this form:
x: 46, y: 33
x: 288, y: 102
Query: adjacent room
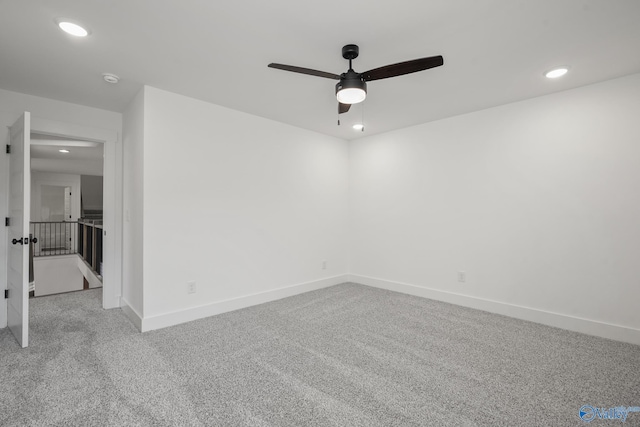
x: 322, y: 214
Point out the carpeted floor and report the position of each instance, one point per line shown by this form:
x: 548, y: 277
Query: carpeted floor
x: 348, y: 355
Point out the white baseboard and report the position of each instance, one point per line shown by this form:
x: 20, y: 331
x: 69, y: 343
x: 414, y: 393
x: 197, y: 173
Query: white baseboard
x: 194, y: 313
x: 132, y: 314
x: 563, y: 321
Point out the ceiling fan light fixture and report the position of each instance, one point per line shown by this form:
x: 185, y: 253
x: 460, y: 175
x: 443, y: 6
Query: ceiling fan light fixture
x: 351, y: 96
x: 351, y: 91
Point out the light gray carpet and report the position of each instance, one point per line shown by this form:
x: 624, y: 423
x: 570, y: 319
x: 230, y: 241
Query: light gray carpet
x: 348, y: 355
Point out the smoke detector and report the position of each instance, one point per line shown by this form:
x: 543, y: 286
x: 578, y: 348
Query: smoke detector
x: 110, y: 78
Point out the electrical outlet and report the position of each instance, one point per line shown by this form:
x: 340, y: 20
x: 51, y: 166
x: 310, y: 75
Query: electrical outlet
x: 462, y: 276
x: 191, y: 287
x: 324, y: 264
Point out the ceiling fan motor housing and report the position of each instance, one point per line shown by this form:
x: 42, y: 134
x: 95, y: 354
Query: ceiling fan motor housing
x: 351, y: 82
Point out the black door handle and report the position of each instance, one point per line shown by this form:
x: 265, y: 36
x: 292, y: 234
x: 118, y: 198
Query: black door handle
x: 18, y: 241
x: 34, y: 240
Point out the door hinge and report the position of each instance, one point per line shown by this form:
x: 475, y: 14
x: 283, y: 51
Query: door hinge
x: 8, y: 149
x: 6, y: 294
x: 7, y: 221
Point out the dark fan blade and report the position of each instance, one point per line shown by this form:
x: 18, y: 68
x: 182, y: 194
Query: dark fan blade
x: 343, y: 108
x: 402, y: 68
x: 305, y: 71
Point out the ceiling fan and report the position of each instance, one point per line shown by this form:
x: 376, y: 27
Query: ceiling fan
x: 352, y: 86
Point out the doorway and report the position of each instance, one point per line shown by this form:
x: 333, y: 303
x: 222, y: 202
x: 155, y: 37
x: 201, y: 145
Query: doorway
x: 66, y: 214
x: 112, y: 229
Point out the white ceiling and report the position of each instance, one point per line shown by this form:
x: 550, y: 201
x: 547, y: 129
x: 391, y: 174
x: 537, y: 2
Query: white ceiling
x: 83, y: 157
x: 75, y: 153
x: 495, y: 52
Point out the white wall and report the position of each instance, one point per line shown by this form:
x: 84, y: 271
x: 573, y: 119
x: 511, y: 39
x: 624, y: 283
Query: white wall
x: 38, y: 179
x: 537, y: 201
x: 57, y: 274
x: 132, y: 245
x: 92, y: 194
x: 12, y: 105
x: 80, y: 167
x: 241, y: 205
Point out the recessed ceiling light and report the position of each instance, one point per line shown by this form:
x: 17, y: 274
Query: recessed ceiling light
x: 64, y: 151
x: 73, y: 28
x: 358, y: 126
x: 556, y: 72
x: 110, y: 78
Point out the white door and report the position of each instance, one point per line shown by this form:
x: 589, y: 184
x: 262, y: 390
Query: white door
x: 18, y: 248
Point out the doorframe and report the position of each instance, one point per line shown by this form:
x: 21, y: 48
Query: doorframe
x: 112, y: 197
x: 4, y: 246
